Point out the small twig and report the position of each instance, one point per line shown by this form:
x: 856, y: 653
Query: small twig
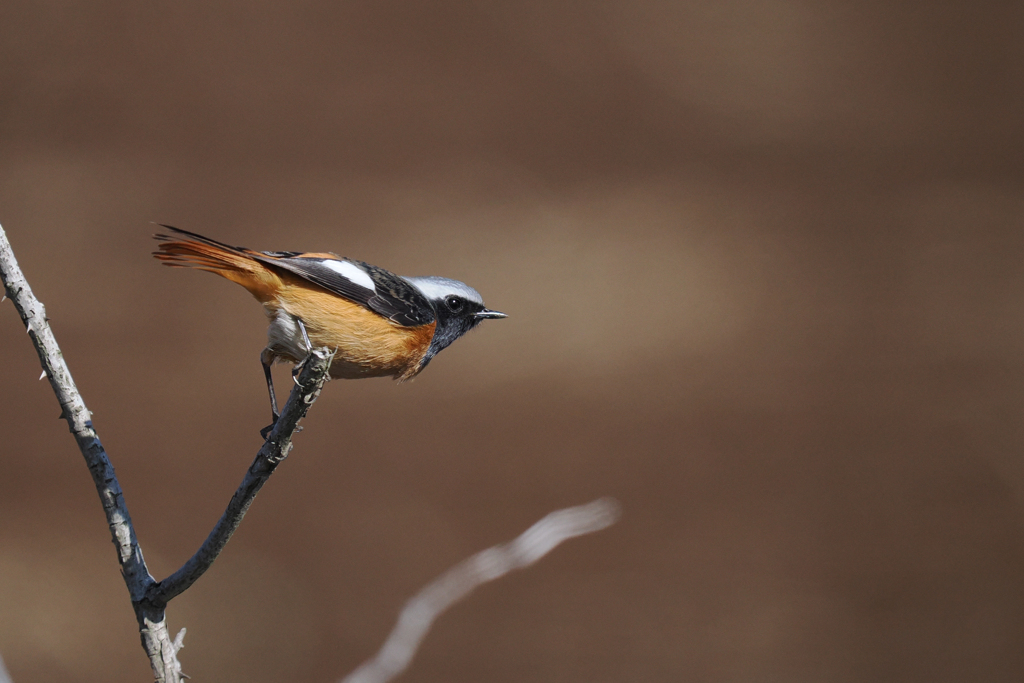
x: 276, y: 448
x: 422, y: 609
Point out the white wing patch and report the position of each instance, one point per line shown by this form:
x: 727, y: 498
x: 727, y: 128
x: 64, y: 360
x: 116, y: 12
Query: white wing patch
x: 351, y: 272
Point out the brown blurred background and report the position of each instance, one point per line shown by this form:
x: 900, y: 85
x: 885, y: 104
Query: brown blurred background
x: 763, y: 263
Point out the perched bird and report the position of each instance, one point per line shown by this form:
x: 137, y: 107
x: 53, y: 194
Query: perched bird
x: 381, y: 324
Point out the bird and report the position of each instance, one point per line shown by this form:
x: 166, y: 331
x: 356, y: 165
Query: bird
x: 379, y: 324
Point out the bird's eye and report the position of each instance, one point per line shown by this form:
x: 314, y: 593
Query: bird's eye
x: 453, y: 303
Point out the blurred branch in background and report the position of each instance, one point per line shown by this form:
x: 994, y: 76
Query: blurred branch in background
x: 149, y: 597
x: 422, y: 609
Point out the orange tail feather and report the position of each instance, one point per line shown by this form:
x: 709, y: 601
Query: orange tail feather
x: 234, y: 263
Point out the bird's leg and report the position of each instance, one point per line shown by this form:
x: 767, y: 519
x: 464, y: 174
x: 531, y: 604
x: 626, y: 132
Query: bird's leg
x: 266, y: 358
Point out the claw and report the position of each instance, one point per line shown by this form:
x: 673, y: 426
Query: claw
x: 305, y: 337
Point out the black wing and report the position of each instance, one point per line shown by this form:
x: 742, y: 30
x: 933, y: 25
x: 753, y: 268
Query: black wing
x: 389, y: 295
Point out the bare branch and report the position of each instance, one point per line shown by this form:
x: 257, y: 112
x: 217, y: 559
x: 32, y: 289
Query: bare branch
x: 129, y: 555
x: 274, y: 451
x: 422, y: 609
x: 149, y: 598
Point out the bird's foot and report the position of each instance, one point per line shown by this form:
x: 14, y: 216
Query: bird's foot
x: 297, y: 369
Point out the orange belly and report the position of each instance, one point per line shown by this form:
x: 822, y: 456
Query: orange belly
x: 367, y: 344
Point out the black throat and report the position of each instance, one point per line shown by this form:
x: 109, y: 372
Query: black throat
x: 450, y: 326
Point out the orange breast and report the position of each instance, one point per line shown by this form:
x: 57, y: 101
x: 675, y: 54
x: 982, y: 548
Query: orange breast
x: 368, y: 345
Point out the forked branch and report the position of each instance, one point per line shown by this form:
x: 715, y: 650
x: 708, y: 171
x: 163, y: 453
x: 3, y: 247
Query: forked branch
x: 149, y: 598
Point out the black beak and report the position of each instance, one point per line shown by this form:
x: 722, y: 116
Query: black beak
x: 486, y: 313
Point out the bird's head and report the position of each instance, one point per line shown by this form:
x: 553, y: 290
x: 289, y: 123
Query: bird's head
x: 457, y: 306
